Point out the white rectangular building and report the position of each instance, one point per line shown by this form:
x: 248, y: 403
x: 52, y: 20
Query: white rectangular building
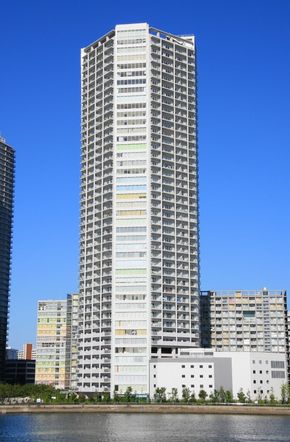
x: 139, y: 248
x: 258, y: 374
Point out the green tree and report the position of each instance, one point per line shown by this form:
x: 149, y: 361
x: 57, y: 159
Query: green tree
x: 174, y: 395
x: 284, y: 393
x: 215, y: 396
x: 128, y: 395
x: 249, y: 399
x: 160, y: 394
x: 241, y: 396
x: 202, y: 395
x: 222, y: 395
x: 185, y: 394
x: 229, y: 397
x: 273, y: 400
x: 106, y: 397
x: 192, y: 397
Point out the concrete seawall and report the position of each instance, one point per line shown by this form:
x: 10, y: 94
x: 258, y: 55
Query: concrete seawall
x: 152, y: 408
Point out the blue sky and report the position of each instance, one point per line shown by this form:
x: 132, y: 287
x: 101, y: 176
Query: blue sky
x: 244, y: 138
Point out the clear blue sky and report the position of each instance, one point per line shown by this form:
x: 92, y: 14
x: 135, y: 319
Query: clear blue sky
x: 244, y: 137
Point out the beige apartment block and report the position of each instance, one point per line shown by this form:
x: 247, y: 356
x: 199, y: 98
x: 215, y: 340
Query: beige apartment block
x: 52, y: 361
x: 244, y: 320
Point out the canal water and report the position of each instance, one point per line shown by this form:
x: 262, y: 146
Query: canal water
x: 87, y: 427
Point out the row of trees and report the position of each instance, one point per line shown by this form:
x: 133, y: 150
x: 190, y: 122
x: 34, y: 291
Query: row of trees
x: 221, y: 396
x: 48, y: 395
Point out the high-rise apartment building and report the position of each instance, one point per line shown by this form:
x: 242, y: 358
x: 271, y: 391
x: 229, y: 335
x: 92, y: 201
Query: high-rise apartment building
x: 7, y: 161
x: 244, y: 321
x: 139, y: 248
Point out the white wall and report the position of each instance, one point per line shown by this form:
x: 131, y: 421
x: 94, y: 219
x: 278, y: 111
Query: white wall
x: 250, y: 371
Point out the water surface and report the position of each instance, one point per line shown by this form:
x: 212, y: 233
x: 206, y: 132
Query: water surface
x: 87, y: 427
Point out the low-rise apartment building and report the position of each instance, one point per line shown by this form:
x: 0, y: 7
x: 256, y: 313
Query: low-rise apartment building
x: 52, y: 364
x: 258, y: 374
x: 56, y: 344
x: 244, y: 320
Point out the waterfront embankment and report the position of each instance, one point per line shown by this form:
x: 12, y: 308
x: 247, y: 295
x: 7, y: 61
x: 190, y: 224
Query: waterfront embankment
x: 150, y: 408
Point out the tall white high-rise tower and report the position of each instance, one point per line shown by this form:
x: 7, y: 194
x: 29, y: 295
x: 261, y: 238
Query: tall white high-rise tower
x: 139, y: 247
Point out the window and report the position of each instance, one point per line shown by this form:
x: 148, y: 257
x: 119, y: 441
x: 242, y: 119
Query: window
x: 192, y: 366
x: 154, y: 375
x: 192, y: 376
x: 260, y: 372
x: 210, y: 376
x: 130, y: 81
x: 278, y: 374
x: 201, y: 366
x: 210, y: 366
x: 254, y: 371
x: 127, y: 90
x: 183, y: 386
x: 130, y: 188
x: 210, y: 386
x: 201, y: 386
x: 192, y: 386
x: 183, y: 366
x: 130, y: 238
x: 201, y: 375
x: 131, y: 229
x: 254, y: 382
x: 131, y: 105
x: 277, y: 364
x: 261, y: 382
x: 183, y: 375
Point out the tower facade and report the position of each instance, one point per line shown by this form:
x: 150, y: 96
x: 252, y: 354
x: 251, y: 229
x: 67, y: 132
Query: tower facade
x: 139, y: 242
x: 7, y: 159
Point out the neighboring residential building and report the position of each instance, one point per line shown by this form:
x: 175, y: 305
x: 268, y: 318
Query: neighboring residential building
x: 52, y: 363
x: 72, y: 332
x: 56, y: 347
x: 288, y: 329
x: 27, y: 352
x: 20, y: 371
x: 244, y: 320
x: 258, y: 374
x: 11, y: 353
x: 139, y: 248
x: 7, y: 164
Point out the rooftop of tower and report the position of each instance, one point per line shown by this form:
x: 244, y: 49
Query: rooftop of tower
x: 186, y: 40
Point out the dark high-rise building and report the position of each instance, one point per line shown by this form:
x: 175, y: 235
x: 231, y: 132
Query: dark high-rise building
x: 7, y: 158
